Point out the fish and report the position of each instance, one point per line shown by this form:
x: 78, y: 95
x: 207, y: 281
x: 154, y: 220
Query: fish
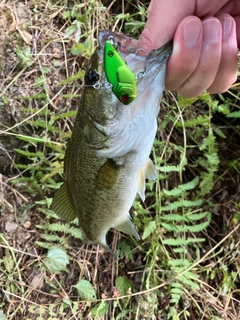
x: 107, y: 158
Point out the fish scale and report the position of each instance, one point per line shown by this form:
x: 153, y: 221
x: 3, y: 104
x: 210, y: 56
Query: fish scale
x: 107, y: 158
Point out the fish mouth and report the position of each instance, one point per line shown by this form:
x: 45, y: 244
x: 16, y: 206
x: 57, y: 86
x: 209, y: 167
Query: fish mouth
x: 138, y: 61
x: 125, y: 44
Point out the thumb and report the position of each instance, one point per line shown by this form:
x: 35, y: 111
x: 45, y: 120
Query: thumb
x: 163, y: 19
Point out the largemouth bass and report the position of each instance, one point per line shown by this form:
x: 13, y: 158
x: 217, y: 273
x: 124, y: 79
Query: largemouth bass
x: 107, y: 158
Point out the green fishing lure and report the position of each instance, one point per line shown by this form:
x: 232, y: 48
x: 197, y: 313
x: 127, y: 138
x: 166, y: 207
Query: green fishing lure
x: 119, y: 75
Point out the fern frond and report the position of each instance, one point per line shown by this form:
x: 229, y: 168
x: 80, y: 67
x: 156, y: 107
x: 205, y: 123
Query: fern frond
x: 51, y: 237
x: 175, y: 242
x: 194, y: 122
x: 173, y: 193
x: 194, y: 240
x: 176, y: 292
x: 190, y: 185
x: 186, y: 279
x: 183, y: 263
x: 58, y: 227
x: 173, y: 217
x: 44, y: 245
x: 169, y: 227
x: 170, y: 169
x: 150, y: 228
x: 198, y: 227
x: 182, y: 203
x: 235, y: 114
x: 197, y: 216
x: 75, y: 232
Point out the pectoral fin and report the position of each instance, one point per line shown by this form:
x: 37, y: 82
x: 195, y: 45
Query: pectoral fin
x: 148, y: 171
x: 127, y: 227
x: 63, y: 204
x: 107, y: 174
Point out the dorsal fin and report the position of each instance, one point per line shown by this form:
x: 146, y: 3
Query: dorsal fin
x: 63, y: 204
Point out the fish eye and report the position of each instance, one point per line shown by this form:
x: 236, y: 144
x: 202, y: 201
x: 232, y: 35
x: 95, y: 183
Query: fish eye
x: 91, y: 77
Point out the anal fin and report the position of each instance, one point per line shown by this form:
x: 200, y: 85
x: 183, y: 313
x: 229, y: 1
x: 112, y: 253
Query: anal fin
x: 63, y: 204
x: 127, y: 227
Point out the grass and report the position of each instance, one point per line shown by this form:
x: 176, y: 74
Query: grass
x: 187, y: 264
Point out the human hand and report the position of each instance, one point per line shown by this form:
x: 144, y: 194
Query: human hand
x: 205, y: 42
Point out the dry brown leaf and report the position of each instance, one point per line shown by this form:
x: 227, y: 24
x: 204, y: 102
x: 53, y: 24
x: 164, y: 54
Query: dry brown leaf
x: 27, y: 37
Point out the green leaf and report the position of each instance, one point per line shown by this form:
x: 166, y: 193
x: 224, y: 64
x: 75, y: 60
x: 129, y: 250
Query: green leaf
x: 170, y: 169
x: 85, y: 290
x: 56, y: 260
x: 29, y: 154
x: 191, y: 184
x: 69, y: 31
x: 185, y: 203
x: 175, y: 242
x: 184, y: 263
x: 78, y: 49
x: 172, y: 206
x: 220, y: 133
x: 169, y: 227
x: 187, y: 281
x: 195, y: 240
x: 173, y: 217
x: 181, y: 188
x: 122, y: 16
x: 123, y: 284
x: 150, y: 227
x: 2, y: 316
x: 192, y: 203
x: 197, y: 216
x: 235, y: 114
x: 198, y: 227
x: 173, y: 193
x: 72, y: 78
x: 199, y: 121
x: 100, y: 309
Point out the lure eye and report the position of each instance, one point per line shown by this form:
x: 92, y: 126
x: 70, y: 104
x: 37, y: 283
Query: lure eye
x: 124, y: 98
x: 91, y: 77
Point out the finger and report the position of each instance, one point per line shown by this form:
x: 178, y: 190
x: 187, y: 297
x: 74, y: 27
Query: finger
x: 209, y: 61
x: 237, y: 21
x: 227, y: 73
x: 232, y: 7
x: 206, y: 8
x: 163, y: 19
x: 186, y: 52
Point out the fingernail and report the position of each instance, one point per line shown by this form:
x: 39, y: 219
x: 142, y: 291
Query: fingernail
x: 211, y: 30
x: 226, y: 27
x: 191, y: 33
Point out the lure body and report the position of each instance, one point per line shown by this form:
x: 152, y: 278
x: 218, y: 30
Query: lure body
x: 119, y: 75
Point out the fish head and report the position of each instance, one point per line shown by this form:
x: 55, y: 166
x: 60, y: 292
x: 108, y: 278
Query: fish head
x: 117, y: 127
